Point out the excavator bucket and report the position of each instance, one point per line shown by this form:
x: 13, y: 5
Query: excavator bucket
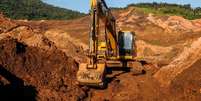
x: 91, y: 76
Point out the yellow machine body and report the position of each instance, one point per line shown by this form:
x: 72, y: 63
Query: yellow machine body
x: 111, y: 51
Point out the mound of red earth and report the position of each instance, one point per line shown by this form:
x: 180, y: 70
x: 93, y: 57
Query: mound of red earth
x: 33, y: 68
x: 5, y: 23
x: 36, y: 73
x: 186, y: 86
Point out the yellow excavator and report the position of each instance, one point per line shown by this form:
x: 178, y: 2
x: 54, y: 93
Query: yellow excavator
x: 107, y: 48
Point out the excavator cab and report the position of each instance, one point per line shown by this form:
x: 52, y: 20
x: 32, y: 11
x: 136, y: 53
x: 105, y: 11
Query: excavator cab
x: 126, y: 40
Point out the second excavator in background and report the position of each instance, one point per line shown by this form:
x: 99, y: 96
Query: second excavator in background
x: 107, y: 47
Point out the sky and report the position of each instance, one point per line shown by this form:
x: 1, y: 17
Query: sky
x: 84, y: 5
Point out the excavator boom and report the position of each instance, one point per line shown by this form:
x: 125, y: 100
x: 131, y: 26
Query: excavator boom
x: 105, y: 47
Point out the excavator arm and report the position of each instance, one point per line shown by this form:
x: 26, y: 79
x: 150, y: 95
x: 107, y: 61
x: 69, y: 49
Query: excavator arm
x: 101, y: 13
x: 103, y: 49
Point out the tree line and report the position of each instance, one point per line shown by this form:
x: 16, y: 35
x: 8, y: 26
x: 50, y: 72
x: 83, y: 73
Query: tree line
x: 170, y: 9
x: 35, y: 10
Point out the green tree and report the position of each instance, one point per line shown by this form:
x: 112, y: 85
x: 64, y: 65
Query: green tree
x: 35, y: 10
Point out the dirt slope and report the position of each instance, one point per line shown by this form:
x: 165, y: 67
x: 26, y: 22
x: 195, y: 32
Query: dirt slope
x: 32, y: 64
x: 186, y: 86
x: 49, y: 72
x: 184, y: 61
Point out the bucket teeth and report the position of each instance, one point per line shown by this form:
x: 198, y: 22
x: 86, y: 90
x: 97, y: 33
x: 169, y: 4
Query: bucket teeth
x: 88, y: 77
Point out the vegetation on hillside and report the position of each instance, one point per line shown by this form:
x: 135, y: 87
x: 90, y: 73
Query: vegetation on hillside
x: 35, y: 10
x: 169, y: 9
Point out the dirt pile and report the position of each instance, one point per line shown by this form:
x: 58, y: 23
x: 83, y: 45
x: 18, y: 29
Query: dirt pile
x: 134, y: 18
x: 33, y: 67
x: 49, y: 71
x: 153, y: 53
x: 71, y: 46
x: 187, y: 84
x: 184, y: 61
x: 176, y: 24
x: 5, y: 24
